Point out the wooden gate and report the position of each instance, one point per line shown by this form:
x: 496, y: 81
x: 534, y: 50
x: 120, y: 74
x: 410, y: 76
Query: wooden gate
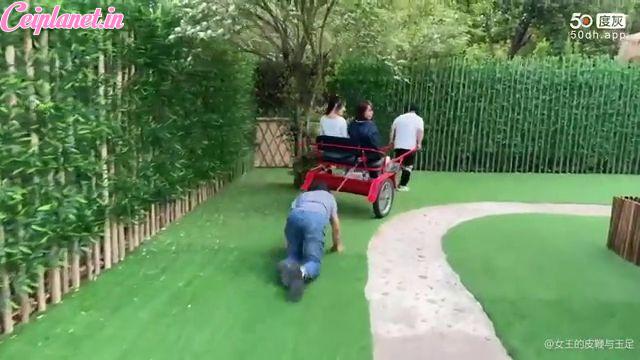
x: 274, y: 147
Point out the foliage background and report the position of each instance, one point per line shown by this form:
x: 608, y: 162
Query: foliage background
x: 170, y: 115
x: 571, y: 115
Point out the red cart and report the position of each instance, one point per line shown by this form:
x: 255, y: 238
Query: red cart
x: 347, y: 167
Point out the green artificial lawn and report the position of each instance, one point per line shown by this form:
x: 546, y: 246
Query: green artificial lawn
x: 206, y: 287
x: 546, y: 277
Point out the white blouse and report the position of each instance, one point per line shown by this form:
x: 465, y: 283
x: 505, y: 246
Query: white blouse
x: 333, y: 126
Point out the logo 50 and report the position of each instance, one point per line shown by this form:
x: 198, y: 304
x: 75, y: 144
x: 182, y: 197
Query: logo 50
x: 580, y: 21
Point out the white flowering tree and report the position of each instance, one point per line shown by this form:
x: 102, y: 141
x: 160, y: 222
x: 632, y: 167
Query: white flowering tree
x: 294, y: 32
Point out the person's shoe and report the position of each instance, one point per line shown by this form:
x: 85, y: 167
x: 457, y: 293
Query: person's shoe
x: 284, y: 268
x: 403, y: 188
x: 296, y: 284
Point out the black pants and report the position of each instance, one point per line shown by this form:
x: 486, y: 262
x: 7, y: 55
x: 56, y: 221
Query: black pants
x: 373, y: 158
x: 407, y: 165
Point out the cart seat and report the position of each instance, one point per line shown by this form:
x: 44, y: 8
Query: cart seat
x: 337, y: 154
x: 376, y: 163
x: 332, y: 149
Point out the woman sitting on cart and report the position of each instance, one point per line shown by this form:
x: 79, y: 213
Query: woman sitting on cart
x: 364, y: 132
x: 332, y: 123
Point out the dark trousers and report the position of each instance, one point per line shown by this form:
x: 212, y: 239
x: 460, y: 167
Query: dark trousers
x: 372, y: 159
x: 407, y: 165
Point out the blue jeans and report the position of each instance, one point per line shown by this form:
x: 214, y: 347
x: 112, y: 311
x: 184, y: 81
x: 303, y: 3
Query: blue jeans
x: 305, y: 240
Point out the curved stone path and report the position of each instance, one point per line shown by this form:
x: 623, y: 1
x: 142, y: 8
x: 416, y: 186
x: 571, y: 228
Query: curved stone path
x: 418, y: 307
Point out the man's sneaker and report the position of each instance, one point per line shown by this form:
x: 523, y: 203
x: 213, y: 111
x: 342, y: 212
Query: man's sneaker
x: 296, y: 284
x: 403, y: 188
x: 284, y: 268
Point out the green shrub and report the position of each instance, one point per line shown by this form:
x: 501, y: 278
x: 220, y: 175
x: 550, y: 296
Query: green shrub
x: 184, y: 115
x: 567, y: 114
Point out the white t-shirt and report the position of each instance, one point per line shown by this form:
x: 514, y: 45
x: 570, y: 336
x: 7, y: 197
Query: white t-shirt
x: 406, y: 127
x: 333, y: 126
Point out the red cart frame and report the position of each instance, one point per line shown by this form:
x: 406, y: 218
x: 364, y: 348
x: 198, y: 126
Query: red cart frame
x: 379, y: 190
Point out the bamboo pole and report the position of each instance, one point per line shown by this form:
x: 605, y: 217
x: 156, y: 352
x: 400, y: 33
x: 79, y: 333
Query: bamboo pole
x: 148, y: 224
x: 167, y: 210
x: 65, y: 271
x: 129, y: 235
x: 92, y: 272
x: 55, y: 281
x: 159, y: 216
x: 106, y: 87
x: 5, y: 299
x: 25, y: 301
x: 122, y: 241
x: 154, y: 221
x: 115, y: 245
x: 75, y: 265
x: 97, y: 259
x: 137, y: 234
x: 44, y: 91
x: 65, y: 276
x: 40, y: 292
x: 143, y: 229
x: 5, y: 294
x: 107, y: 241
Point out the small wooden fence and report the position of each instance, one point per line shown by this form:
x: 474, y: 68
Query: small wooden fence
x: 87, y: 264
x: 273, y: 147
x: 624, y: 229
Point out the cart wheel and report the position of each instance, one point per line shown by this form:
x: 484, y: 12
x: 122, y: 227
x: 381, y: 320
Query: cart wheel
x: 382, y: 205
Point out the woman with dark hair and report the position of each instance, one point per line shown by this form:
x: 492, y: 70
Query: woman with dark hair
x: 332, y: 123
x: 364, y: 132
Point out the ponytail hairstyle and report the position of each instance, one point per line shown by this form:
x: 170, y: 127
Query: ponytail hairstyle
x: 334, y: 104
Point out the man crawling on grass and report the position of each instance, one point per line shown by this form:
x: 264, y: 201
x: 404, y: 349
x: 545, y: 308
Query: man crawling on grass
x: 310, y: 213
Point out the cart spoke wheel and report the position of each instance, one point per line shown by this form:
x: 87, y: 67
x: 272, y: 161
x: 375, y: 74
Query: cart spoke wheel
x: 382, y: 205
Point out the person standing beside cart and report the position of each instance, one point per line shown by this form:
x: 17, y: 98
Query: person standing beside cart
x: 406, y: 134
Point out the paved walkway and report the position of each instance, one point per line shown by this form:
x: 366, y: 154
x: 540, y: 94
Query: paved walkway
x: 419, y: 308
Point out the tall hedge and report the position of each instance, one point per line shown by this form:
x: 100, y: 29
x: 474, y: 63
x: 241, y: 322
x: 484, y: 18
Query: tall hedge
x: 569, y: 115
x: 96, y: 126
